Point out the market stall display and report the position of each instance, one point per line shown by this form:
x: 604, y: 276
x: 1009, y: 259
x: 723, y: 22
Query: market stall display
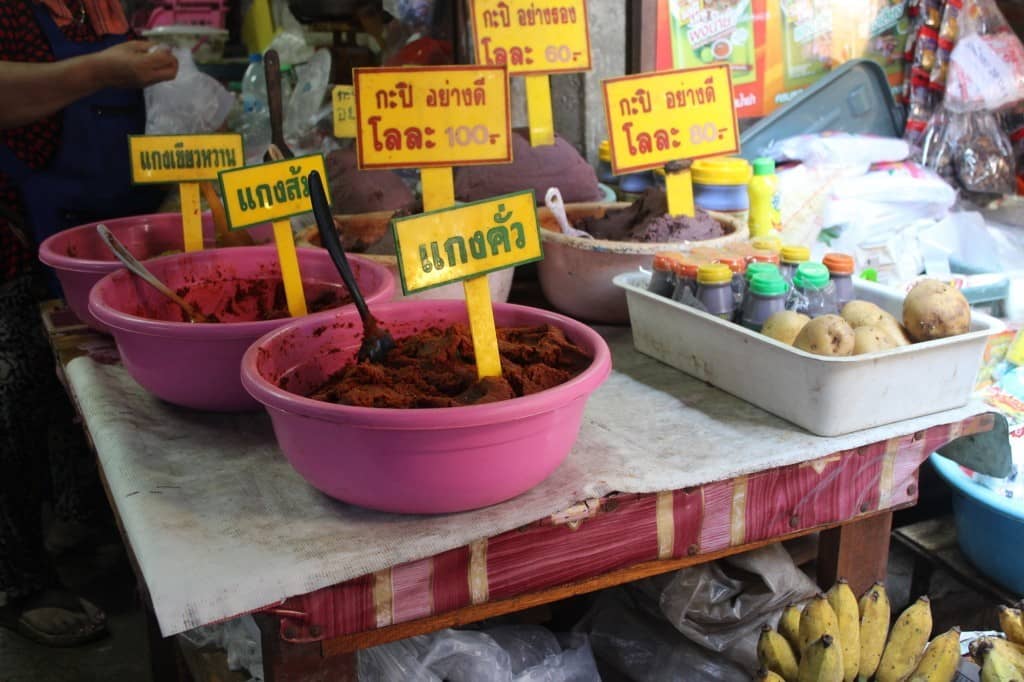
x: 196, y: 365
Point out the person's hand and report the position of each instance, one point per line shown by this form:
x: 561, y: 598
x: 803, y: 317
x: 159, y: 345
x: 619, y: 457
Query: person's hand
x: 134, y: 64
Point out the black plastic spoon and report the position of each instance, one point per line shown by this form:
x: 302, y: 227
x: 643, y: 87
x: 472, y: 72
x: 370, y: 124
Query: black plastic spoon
x: 376, y: 340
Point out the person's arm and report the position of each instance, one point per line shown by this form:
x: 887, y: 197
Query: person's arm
x: 36, y: 90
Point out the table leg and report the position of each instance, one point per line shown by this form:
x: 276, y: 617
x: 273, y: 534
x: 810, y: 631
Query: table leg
x: 288, y: 662
x: 857, y: 551
x: 164, y: 662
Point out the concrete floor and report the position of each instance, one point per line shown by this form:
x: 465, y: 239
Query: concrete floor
x: 103, y: 576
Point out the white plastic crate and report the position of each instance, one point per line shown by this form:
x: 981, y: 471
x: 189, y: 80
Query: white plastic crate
x: 825, y: 395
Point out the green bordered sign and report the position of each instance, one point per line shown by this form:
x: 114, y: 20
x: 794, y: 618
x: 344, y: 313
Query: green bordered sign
x: 269, y: 192
x: 158, y: 159
x: 467, y: 241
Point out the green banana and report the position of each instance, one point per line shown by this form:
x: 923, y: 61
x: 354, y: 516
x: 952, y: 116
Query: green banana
x: 844, y: 605
x: 822, y: 661
x: 940, y: 660
x: 874, y: 629
x: 774, y: 653
x: 906, y: 643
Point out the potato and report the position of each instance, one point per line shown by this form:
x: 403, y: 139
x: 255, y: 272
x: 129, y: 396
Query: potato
x: 935, y: 310
x: 894, y: 329
x: 826, y: 335
x: 784, y: 326
x: 868, y: 339
x: 863, y: 314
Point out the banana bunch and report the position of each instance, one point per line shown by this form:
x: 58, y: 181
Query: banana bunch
x: 837, y: 638
x: 1002, y: 660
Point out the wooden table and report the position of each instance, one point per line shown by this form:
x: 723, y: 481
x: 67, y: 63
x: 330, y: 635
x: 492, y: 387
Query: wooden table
x: 848, y: 497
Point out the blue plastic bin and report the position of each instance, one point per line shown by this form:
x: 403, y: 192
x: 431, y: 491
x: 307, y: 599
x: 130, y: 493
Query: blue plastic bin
x: 989, y: 527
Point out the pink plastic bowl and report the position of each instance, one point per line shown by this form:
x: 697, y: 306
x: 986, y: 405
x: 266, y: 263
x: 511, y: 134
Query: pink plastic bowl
x: 196, y: 365
x: 419, y: 461
x: 80, y: 258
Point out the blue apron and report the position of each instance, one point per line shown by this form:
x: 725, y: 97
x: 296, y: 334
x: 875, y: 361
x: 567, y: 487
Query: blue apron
x: 89, y: 177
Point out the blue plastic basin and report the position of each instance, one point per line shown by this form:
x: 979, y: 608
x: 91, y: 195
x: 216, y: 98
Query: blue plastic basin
x: 989, y: 527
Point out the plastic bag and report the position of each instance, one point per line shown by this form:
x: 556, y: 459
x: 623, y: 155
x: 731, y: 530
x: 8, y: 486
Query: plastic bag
x: 982, y: 153
x: 843, y: 149
x: 239, y: 638
x: 191, y: 103
x: 509, y: 653
x: 631, y: 639
x: 721, y: 605
x: 986, y: 68
x: 307, y: 98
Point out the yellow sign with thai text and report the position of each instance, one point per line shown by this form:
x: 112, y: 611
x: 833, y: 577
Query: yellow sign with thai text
x: 269, y: 192
x: 344, y: 99
x: 452, y: 244
x: 158, y: 159
x: 415, y: 117
x: 545, y: 36
x: 667, y: 116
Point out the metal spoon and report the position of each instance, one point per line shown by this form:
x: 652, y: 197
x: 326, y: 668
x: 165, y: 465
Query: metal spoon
x: 148, y: 277
x: 553, y: 200
x: 376, y: 340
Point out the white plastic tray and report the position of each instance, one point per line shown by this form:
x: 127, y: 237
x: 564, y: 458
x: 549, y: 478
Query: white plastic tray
x: 827, y: 396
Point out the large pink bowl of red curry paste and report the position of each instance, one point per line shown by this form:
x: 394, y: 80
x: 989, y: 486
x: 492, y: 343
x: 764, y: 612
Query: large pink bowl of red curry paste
x: 196, y: 364
x: 394, y: 444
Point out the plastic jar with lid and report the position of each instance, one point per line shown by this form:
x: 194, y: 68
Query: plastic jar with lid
x: 604, y: 164
x: 714, y: 289
x: 738, y: 267
x: 840, y: 269
x: 790, y: 257
x: 766, y: 296
x: 720, y: 184
x: 757, y: 268
x: 663, y: 276
x: 813, y: 294
x: 768, y: 242
x: 686, y: 279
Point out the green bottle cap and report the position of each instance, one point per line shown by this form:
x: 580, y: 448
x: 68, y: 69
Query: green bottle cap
x: 768, y: 284
x: 811, y: 276
x: 764, y: 166
x: 757, y: 268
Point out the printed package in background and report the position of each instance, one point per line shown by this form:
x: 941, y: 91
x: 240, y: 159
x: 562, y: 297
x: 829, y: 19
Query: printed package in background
x: 713, y: 32
x: 779, y: 48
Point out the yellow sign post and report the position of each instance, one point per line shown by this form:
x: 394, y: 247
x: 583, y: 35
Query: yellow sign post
x: 658, y: 118
x: 187, y: 160
x: 549, y: 36
x: 466, y: 243
x: 434, y: 118
x: 274, y: 192
x: 343, y: 98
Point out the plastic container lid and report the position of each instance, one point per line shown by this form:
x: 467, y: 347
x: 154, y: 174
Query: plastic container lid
x: 795, y: 254
x: 736, y: 264
x: 764, y: 257
x: 664, y: 261
x: 687, y: 269
x: 855, y: 98
x: 754, y: 269
x: 714, y: 273
x: 811, y: 276
x: 768, y: 284
x: 604, y: 151
x: 838, y: 263
x: 767, y: 242
x: 764, y: 165
x: 721, y: 170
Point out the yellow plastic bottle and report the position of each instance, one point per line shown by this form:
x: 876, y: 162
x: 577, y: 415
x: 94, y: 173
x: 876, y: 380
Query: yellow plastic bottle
x: 764, y: 199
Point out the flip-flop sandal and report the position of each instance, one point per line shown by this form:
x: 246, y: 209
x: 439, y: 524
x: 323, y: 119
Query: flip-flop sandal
x: 12, y: 617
